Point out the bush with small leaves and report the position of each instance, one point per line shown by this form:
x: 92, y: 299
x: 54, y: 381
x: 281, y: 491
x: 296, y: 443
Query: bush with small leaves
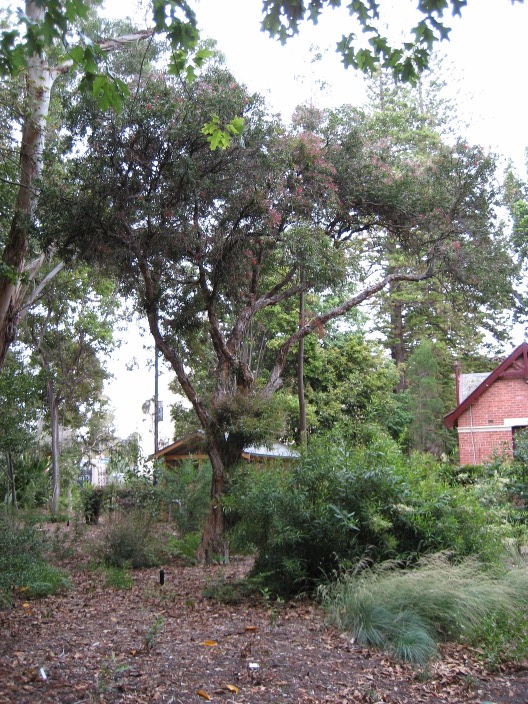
x: 130, y: 541
x: 339, y: 505
x: 23, y: 563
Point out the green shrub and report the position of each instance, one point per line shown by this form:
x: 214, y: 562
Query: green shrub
x: 184, y: 548
x: 407, y: 612
x: 341, y: 504
x: 233, y: 592
x: 130, y: 541
x: 117, y: 577
x: 23, y: 563
x: 93, y: 500
x: 186, y: 489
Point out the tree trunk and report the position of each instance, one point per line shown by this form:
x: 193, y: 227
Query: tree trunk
x: 55, y: 448
x: 214, y: 546
x: 397, y: 347
x: 39, y: 82
x: 11, y: 486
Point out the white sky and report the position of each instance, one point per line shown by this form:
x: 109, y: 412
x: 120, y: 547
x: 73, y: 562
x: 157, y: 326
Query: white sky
x: 488, y: 52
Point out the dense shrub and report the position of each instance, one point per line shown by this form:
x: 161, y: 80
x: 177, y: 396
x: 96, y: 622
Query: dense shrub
x: 407, y: 612
x: 94, y: 500
x: 186, y: 490
x: 340, y: 505
x: 130, y: 541
x: 23, y: 563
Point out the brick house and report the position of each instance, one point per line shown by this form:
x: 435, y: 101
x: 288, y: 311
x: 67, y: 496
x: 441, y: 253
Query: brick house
x: 491, y: 409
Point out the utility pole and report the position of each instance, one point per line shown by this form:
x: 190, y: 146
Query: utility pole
x: 156, y: 401
x: 303, y: 432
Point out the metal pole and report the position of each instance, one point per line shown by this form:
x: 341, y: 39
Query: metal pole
x: 156, y: 419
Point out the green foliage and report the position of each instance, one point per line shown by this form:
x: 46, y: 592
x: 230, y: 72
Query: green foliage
x: 184, y: 548
x: 426, y: 432
x: 233, y: 592
x: 32, y: 482
x: 501, y: 639
x: 406, y: 62
x: 22, y: 561
x: 93, y: 500
x: 130, y: 541
x: 342, y: 504
x: 349, y: 383
x: 20, y: 389
x: 250, y: 419
x: 407, y: 612
x: 220, y: 138
x: 117, y: 577
x: 186, y: 489
x: 517, y: 472
x: 153, y: 633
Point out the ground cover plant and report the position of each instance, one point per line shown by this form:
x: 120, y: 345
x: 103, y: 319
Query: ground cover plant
x: 408, y: 612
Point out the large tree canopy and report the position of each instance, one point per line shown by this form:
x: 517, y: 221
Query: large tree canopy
x: 208, y: 241
x: 50, y: 37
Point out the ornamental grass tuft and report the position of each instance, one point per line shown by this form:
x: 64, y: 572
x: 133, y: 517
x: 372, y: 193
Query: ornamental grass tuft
x: 407, y: 612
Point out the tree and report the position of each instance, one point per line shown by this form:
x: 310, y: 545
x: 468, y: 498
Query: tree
x: 19, y: 400
x: 427, y: 405
x: 443, y: 198
x: 48, y: 26
x: 69, y: 330
x: 207, y: 242
x: 480, y: 289
x: 350, y: 384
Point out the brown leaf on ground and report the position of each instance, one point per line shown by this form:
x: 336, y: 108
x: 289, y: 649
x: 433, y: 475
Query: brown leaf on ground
x: 90, y: 640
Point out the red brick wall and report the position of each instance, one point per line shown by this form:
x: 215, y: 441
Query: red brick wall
x: 478, y: 447
x: 506, y: 398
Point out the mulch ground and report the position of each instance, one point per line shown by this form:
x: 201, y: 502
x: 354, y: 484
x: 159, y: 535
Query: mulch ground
x: 168, y: 643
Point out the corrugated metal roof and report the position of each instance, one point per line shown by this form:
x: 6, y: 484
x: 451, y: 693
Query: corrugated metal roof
x: 469, y: 382
x: 276, y: 450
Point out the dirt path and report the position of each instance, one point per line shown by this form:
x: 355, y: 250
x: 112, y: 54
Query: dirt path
x: 169, y: 644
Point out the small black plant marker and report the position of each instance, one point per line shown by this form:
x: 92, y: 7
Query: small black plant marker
x: 162, y: 577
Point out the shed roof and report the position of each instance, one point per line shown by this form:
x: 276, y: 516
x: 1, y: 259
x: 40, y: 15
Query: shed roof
x: 513, y: 367
x: 193, y: 445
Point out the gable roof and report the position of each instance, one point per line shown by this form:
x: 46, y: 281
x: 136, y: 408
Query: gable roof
x: 194, y: 445
x: 513, y: 367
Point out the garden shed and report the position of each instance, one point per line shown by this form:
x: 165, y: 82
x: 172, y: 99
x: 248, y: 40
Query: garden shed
x: 491, y: 409
x: 192, y: 447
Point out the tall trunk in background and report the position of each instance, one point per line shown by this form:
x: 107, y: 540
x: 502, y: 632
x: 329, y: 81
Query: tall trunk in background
x: 397, y: 348
x: 303, y: 428
x: 53, y: 404
x: 39, y: 82
x: 11, y: 486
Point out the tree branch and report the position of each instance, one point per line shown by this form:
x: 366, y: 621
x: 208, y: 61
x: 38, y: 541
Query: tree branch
x: 275, y: 381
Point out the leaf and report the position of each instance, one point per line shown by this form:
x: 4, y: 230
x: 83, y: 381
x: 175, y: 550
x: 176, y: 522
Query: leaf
x: 203, y: 694
x: 232, y: 688
x: 209, y: 643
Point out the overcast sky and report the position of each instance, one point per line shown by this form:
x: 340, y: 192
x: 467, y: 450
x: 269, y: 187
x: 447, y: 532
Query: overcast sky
x: 487, y: 51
